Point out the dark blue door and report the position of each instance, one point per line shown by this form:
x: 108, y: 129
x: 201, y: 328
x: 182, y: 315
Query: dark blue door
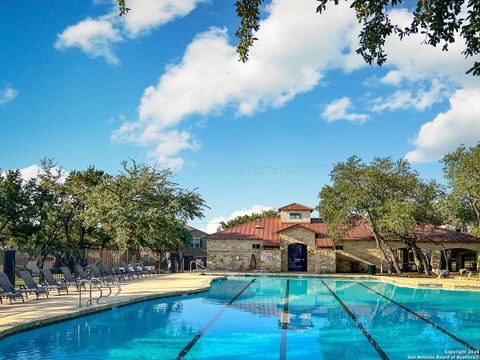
x: 297, y: 257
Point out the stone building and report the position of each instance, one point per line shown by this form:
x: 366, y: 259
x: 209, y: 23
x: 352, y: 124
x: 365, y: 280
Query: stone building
x: 292, y: 242
x: 196, y: 251
x: 296, y: 242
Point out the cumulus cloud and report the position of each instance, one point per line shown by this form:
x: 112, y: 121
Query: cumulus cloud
x: 146, y: 15
x: 214, y: 223
x: 421, y: 99
x: 338, y: 110
x: 458, y: 125
x: 96, y: 37
x: 412, y: 59
x: 7, y: 94
x: 296, y: 46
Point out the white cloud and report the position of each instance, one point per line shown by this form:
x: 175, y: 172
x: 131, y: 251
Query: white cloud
x: 214, y: 223
x: 95, y: 37
x: 30, y: 172
x: 421, y: 100
x: 393, y: 77
x: 295, y: 47
x: 338, y: 110
x: 146, y: 15
x: 413, y: 60
x: 170, y: 143
x: 458, y: 125
x: 33, y: 171
x: 7, y: 94
x: 414, y: 64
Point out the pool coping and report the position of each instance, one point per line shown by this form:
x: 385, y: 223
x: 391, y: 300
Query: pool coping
x: 416, y: 283
x: 82, y: 312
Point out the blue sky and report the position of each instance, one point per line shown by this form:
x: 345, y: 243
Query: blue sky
x: 83, y: 86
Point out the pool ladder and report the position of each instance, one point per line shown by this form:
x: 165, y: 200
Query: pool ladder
x: 94, y: 284
x: 197, y: 266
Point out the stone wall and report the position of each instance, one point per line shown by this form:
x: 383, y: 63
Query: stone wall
x: 236, y: 255
x: 298, y: 235
x: 325, y: 261
x: 271, y: 266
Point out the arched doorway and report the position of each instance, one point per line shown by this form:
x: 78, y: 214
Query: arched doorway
x: 297, y: 257
x: 456, y: 259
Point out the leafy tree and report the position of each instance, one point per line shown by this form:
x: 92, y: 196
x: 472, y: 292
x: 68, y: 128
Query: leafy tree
x: 76, y: 189
x: 16, y: 209
x: 439, y: 20
x: 242, y: 219
x: 142, y: 208
x: 387, y: 196
x: 462, y: 203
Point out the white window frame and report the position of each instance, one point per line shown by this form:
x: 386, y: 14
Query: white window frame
x: 195, y: 243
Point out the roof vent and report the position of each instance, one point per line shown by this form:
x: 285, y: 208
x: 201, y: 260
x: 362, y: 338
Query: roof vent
x: 258, y: 226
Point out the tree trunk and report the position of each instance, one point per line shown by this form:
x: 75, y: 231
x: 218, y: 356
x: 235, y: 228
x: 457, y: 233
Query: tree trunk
x: 385, y: 257
x: 419, y: 254
x: 381, y: 242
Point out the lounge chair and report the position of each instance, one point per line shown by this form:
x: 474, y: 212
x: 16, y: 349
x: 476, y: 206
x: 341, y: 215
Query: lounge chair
x: 31, y: 286
x: 132, y: 270
x: 145, y: 268
x: 83, y: 275
x: 51, y: 282
x: 109, y: 273
x: 118, y: 271
x: 141, y: 269
x: 8, y: 289
x: 69, y: 278
x: 96, y: 272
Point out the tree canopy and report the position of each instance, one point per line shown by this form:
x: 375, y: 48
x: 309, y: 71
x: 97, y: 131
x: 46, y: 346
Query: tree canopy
x: 462, y: 202
x: 138, y: 208
x: 386, y: 195
x: 440, y: 21
x: 242, y: 219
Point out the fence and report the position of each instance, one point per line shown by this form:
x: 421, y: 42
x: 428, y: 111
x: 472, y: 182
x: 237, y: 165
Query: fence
x: 34, y: 260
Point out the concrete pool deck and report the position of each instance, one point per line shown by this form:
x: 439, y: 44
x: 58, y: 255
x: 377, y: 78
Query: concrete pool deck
x: 34, y: 313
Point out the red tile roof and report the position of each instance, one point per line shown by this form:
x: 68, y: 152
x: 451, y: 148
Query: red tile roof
x: 268, y: 229
x: 265, y: 229
x: 295, y: 206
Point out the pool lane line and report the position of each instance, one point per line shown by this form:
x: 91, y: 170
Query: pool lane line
x: 284, y: 324
x: 362, y: 328
x: 421, y: 317
x: 202, y: 331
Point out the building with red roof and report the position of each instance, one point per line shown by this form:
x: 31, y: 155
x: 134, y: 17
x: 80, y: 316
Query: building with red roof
x: 296, y: 242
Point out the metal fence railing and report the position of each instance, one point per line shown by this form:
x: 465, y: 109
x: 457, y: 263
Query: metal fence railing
x: 53, y: 259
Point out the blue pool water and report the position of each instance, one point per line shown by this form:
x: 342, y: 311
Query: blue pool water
x: 270, y: 318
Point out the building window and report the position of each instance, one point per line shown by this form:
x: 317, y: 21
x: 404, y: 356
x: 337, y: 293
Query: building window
x: 339, y: 247
x: 295, y: 216
x: 195, y: 243
x: 255, y: 246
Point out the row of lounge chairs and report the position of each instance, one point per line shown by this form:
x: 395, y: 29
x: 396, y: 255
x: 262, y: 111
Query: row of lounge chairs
x: 100, y: 271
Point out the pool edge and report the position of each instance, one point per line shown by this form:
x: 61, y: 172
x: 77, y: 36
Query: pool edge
x: 416, y: 283
x: 82, y: 312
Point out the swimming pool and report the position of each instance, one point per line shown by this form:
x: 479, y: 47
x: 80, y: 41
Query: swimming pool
x: 270, y: 318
